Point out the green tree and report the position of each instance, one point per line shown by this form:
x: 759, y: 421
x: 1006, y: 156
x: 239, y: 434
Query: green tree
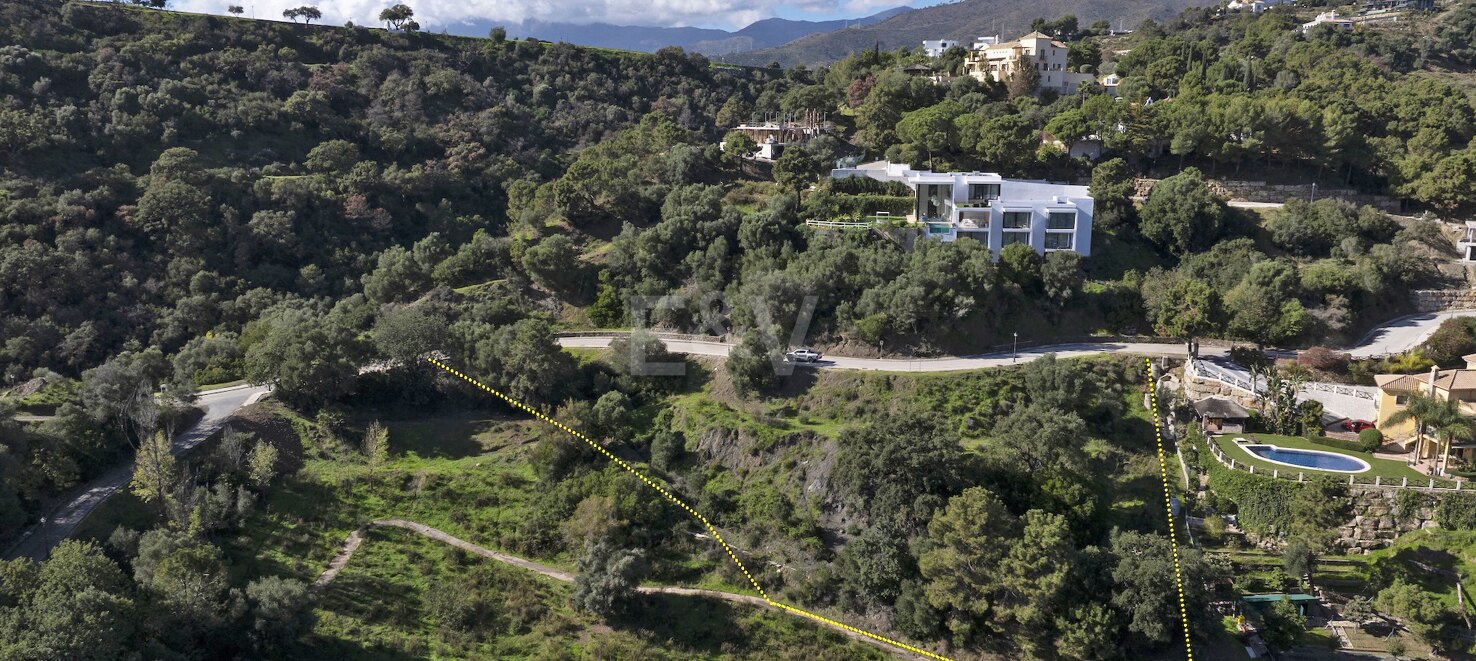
x: 1112, y: 189
x: 966, y: 543
x: 607, y: 579
x: 281, y: 613
x: 1431, y: 414
x: 76, y: 605
x: 1182, y: 215
x: 1061, y: 276
x: 376, y: 444
x: 261, y: 464
x: 738, y: 145
x: 397, y: 17
x: 796, y: 169
x: 1284, y: 625
x: 154, y: 470
x: 1146, y: 585
x: 1189, y: 308
x: 1021, y: 265
x: 753, y: 363
x: 553, y: 264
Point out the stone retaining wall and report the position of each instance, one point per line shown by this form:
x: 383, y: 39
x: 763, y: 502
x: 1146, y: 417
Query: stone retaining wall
x: 1436, y: 300
x: 1261, y: 191
x: 1374, y: 524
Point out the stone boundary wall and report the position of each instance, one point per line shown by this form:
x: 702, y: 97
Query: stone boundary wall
x: 1438, y: 300
x: 1261, y: 191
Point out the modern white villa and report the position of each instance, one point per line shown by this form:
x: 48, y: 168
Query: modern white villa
x: 985, y: 207
x: 935, y: 48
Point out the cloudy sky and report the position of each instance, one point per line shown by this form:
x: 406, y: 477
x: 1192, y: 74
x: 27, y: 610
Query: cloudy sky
x: 727, y: 14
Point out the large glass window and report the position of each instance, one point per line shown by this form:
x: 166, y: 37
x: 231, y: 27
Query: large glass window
x: 1058, y: 241
x: 932, y: 200
x: 1016, y: 220
x: 1062, y: 220
x: 983, y: 191
x: 1011, y: 238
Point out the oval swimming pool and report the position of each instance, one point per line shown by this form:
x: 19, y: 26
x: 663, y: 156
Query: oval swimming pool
x: 1315, y: 459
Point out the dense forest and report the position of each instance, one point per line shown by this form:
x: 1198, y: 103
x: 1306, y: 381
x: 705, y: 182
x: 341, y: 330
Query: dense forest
x: 192, y: 200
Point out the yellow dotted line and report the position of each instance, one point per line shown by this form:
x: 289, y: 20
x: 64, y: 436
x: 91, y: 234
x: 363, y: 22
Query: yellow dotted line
x: 1169, y: 509
x: 713, y: 529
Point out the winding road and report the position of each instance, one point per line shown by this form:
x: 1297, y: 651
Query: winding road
x: 61, y: 521
x: 1392, y: 337
x: 356, y: 539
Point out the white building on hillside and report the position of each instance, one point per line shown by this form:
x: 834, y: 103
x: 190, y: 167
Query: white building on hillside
x: 936, y: 47
x: 985, y: 207
x: 1046, y: 55
x: 1328, y: 18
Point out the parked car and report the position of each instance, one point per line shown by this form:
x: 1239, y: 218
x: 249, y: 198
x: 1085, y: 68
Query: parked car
x: 1356, y: 426
x: 803, y: 355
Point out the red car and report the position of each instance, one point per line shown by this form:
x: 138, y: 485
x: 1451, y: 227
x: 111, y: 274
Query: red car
x: 1356, y: 426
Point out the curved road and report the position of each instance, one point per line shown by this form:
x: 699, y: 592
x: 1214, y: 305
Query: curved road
x: 61, y: 521
x: 1394, y: 336
x: 356, y: 538
x: 1169, y: 349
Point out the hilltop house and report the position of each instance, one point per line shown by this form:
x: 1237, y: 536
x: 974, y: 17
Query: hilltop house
x: 1048, y: 56
x: 985, y: 207
x: 937, y: 47
x: 1394, y: 391
x: 1328, y: 18
x: 774, y: 133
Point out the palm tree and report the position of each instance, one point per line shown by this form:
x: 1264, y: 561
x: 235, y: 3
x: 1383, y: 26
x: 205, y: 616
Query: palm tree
x: 1444, y: 417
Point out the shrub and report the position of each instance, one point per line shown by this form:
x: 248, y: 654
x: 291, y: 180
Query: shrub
x: 1370, y: 439
x: 1322, y: 358
x: 1263, y: 504
x: 1351, y: 446
x: 1454, y: 338
x: 1457, y: 511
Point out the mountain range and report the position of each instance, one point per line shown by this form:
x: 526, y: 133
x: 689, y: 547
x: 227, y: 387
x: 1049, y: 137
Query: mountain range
x: 766, y: 33
x: 963, y: 20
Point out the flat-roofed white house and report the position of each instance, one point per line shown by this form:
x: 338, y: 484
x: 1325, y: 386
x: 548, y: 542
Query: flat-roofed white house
x: 937, y: 47
x: 1048, y: 56
x: 985, y: 207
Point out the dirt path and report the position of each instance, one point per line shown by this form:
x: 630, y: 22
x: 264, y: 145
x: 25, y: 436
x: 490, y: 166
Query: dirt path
x: 356, y: 538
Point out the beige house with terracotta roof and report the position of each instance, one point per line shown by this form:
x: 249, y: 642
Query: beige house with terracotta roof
x: 1394, y: 390
x: 1048, y: 56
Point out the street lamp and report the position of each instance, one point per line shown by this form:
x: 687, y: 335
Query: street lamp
x: 1015, y: 350
x: 1314, y: 192
x: 45, y: 539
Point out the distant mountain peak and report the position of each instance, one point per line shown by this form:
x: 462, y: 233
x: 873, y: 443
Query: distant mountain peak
x: 765, y: 33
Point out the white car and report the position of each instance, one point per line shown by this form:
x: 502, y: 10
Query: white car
x: 803, y: 356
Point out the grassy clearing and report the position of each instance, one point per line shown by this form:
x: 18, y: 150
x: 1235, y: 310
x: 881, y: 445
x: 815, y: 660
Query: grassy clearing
x: 379, y: 608
x: 1386, y: 469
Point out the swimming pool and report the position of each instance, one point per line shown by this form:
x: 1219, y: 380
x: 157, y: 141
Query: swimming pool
x: 1316, y: 459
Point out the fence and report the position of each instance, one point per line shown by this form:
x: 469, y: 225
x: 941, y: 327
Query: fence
x: 1434, y: 483
x: 1207, y: 370
x: 1363, y: 392
x: 679, y: 337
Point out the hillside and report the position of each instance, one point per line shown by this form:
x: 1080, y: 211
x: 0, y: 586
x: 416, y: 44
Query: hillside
x: 766, y: 33
x: 962, y: 20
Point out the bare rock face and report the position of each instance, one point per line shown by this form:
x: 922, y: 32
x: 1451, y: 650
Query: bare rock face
x: 1377, y: 520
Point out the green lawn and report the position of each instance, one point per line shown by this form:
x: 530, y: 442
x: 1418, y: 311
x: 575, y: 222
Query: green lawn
x: 1386, y: 469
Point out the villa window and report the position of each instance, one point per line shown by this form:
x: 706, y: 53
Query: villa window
x: 1058, y: 241
x: 1016, y: 220
x: 1062, y: 220
x: 1011, y: 238
x: 983, y: 191
x: 1401, y: 399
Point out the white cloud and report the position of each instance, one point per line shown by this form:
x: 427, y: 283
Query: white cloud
x: 726, y: 13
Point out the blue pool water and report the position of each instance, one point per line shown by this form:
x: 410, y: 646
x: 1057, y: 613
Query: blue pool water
x: 1328, y: 461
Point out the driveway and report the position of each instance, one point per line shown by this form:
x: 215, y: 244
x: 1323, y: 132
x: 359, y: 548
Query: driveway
x: 1402, y: 334
x: 36, y: 543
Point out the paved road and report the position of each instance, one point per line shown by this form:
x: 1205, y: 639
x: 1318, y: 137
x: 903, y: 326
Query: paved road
x: 1403, y: 334
x: 945, y: 364
x: 63, y: 520
x: 356, y: 539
